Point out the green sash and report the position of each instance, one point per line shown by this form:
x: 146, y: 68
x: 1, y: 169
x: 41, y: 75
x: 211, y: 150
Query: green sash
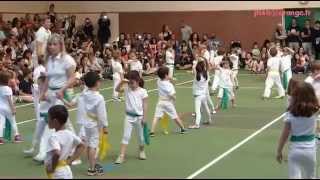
x: 45, y: 116
x: 302, y: 138
x: 146, y: 134
x: 7, y: 130
x: 285, y: 80
x: 225, y: 99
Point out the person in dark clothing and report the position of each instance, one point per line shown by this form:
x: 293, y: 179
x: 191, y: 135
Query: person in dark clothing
x: 104, y: 29
x: 315, y: 37
x: 88, y: 28
x: 52, y: 14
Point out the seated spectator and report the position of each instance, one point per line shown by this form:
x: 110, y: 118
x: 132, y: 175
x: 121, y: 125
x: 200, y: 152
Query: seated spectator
x: 300, y: 64
x: 248, y: 61
x: 25, y: 87
x: 185, y: 61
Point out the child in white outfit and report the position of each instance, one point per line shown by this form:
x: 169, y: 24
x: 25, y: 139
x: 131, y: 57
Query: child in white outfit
x: 136, y: 112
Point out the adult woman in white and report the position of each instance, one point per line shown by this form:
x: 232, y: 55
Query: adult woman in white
x: 60, y: 79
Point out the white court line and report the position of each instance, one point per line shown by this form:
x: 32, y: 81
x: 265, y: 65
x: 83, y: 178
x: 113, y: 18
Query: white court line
x: 234, y: 148
x: 109, y: 100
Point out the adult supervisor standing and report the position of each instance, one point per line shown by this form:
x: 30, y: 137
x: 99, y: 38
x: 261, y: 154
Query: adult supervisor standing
x: 60, y: 77
x: 104, y: 29
x: 186, y: 31
x: 41, y: 38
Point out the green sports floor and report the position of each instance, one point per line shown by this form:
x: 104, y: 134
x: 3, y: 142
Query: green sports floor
x: 241, y: 142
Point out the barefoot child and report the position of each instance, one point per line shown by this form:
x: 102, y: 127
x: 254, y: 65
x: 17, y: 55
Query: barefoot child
x: 300, y: 125
x: 7, y: 110
x: 60, y: 145
x: 136, y: 112
x: 166, y: 101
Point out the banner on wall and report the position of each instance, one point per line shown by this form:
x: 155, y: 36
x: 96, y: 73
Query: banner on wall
x: 301, y: 15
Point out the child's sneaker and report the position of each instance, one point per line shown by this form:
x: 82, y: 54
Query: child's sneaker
x: 18, y: 139
x: 183, y: 131
x: 119, y: 160
x: 152, y: 134
x: 1, y: 141
x: 76, y: 162
x: 39, y: 158
x: 28, y: 152
x: 99, y: 170
x: 142, y: 155
x: 92, y: 172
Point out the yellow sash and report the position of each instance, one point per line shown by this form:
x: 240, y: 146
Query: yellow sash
x: 61, y: 163
x: 92, y: 116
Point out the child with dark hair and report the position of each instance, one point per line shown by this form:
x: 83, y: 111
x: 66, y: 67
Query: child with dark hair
x: 92, y: 115
x: 60, y: 145
x: 136, y: 112
x: 166, y: 100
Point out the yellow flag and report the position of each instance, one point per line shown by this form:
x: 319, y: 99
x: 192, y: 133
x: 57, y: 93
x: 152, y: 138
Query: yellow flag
x: 104, y: 145
x: 164, y: 121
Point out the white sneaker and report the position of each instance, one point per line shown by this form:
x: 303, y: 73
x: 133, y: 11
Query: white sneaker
x: 119, y: 160
x: 142, y: 155
x: 76, y: 162
x: 39, y: 157
x: 214, y: 112
x: 28, y: 152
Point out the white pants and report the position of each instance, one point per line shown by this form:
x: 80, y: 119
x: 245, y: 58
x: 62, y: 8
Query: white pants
x: 166, y: 107
x: 215, y: 82
x: 2, y: 125
x: 63, y: 173
x: 171, y: 70
x: 209, y: 100
x: 199, y: 102
x: 302, y: 160
x: 129, y: 123
x: 12, y: 120
x: 116, y: 82
x: 38, y: 134
x: 235, y: 77
x: 270, y: 81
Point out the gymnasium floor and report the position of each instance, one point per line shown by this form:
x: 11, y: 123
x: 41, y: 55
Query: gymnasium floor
x: 254, y: 124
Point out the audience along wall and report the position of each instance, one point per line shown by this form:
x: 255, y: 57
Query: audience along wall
x: 227, y: 25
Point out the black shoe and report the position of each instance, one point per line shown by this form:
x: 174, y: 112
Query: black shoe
x: 183, y: 131
x: 99, y: 170
x: 92, y: 172
x: 152, y: 134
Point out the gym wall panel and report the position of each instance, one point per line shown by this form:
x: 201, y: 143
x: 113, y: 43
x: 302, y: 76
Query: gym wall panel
x: 227, y: 25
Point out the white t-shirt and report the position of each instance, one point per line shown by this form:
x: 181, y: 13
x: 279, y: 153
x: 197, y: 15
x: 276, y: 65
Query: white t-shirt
x: 206, y: 55
x: 170, y: 56
x: 235, y: 61
x: 274, y: 64
x: 57, y: 68
x: 186, y: 31
x: 42, y: 35
x: 225, y: 78
x: 134, y: 100
x: 63, y: 141
x: 217, y: 60
x: 200, y: 87
x: 117, y: 69
x: 285, y: 62
x: 135, y: 65
x: 301, y: 126
x: 166, y: 89
x: 315, y: 84
x: 5, y: 93
x: 92, y: 103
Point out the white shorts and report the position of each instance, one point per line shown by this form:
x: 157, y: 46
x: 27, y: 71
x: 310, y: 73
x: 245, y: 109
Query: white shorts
x: 92, y: 137
x: 230, y: 92
x: 63, y: 173
x: 166, y: 107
